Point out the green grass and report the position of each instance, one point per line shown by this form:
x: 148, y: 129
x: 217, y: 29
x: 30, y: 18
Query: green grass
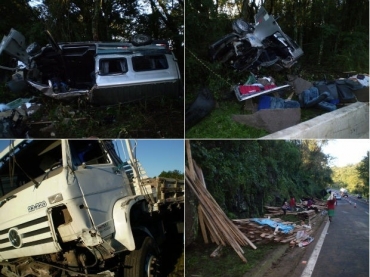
x: 199, y: 263
x: 155, y: 118
x: 219, y: 124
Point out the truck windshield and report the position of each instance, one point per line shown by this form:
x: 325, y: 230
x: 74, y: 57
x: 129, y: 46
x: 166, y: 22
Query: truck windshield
x: 88, y: 152
x: 28, y: 161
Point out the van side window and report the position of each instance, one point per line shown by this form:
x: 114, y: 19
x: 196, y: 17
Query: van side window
x: 149, y: 62
x: 113, y: 66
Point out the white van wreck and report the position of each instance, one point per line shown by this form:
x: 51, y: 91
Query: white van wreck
x: 106, y: 72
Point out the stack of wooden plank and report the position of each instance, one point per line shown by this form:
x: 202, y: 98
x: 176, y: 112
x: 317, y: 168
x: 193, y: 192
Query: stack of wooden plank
x: 275, y: 211
x: 318, y: 204
x: 170, y: 190
x: 213, y: 221
x: 263, y: 234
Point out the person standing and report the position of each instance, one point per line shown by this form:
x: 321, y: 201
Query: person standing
x: 309, y: 203
x: 331, y: 205
x: 292, y: 203
x: 285, y: 206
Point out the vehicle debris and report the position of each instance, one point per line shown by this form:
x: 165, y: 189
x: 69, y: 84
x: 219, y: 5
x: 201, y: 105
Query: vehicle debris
x: 258, y: 44
x: 105, y: 72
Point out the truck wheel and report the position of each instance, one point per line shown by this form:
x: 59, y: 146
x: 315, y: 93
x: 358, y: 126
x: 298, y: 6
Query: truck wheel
x: 142, y: 262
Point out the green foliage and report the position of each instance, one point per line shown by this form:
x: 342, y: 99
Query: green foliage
x: 157, y: 118
x: 219, y: 124
x: 363, y: 174
x: 175, y: 174
x: 354, y: 177
x: 245, y: 175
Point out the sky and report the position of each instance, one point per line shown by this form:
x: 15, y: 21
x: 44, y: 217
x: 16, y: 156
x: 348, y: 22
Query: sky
x: 154, y: 155
x: 158, y: 155
x: 347, y: 151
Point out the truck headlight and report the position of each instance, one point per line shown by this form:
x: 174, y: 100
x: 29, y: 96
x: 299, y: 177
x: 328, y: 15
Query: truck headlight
x: 55, y: 198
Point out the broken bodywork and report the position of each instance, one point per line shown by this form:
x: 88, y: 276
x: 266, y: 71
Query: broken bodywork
x: 262, y: 44
x: 107, y: 73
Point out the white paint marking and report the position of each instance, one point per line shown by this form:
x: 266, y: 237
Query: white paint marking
x: 366, y: 213
x: 345, y: 212
x: 315, y: 254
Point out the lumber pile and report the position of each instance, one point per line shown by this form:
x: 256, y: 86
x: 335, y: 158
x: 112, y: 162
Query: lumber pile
x: 275, y: 211
x: 318, y: 204
x: 170, y: 190
x: 264, y: 234
x: 215, y: 225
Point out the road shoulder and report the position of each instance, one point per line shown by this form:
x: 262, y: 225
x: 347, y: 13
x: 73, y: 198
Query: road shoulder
x: 286, y: 261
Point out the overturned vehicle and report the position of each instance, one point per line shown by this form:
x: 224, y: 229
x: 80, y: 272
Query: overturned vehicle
x: 68, y: 208
x: 262, y: 44
x: 107, y: 73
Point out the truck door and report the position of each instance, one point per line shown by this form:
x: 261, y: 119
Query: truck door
x: 99, y: 181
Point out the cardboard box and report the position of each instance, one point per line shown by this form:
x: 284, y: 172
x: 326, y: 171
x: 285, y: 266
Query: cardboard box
x: 362, y: 95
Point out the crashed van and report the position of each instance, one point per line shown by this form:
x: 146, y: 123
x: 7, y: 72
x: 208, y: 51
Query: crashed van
x: 68, y: 208
x: 106, y: 72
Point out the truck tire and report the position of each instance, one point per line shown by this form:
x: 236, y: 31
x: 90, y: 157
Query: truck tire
x: 142, y: 262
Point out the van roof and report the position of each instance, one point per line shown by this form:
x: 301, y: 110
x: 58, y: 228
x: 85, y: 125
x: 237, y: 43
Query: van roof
x: 78, y: 48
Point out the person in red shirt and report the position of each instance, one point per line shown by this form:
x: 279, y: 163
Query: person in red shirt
x: 331, y: 205
x: 292, y: 203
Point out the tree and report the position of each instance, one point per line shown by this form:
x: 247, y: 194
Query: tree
x: 244, y: 176
x: 363, y: 174
x: 175, y: 174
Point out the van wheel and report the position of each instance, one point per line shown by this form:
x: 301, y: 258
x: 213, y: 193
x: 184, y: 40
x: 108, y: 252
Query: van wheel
x: 142, y: 262
x: 141, y: 39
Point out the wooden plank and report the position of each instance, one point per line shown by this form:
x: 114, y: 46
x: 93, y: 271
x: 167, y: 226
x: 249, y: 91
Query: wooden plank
x: 216, y: 252
x: 190, y: 159
x: 202, y: 226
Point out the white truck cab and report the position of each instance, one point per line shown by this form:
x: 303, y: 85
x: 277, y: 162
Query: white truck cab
x: 68, y: 209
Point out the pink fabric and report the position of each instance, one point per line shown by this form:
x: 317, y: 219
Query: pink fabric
x: 249, y: 89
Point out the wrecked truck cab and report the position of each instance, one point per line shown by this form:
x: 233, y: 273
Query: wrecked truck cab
x: 68, y: 208
x: 106, y: 72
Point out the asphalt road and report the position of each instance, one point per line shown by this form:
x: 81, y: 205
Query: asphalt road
x: 345, y: 251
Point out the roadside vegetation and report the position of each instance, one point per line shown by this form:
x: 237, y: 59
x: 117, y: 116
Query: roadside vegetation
x: 157, y: 118
x: 334, y: 38
x: 198, y: 262
x: 354, y: 178
x: 245, y: 175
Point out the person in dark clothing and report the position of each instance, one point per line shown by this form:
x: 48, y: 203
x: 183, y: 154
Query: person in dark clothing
x: 285, y: 206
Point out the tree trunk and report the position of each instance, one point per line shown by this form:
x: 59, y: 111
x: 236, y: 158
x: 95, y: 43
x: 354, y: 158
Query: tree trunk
x: 95, y: 19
